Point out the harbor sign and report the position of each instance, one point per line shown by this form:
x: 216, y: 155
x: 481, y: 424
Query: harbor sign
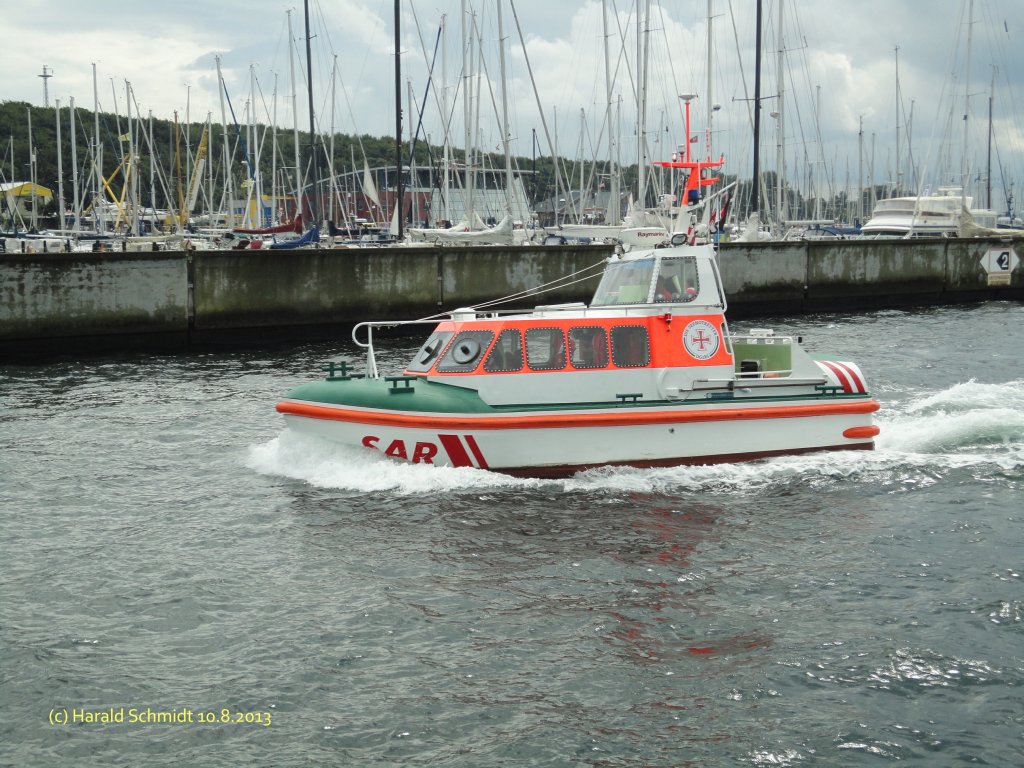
x: 999, y: 263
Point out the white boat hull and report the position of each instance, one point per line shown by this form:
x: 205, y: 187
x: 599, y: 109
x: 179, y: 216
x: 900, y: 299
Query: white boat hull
x: 726, y: 436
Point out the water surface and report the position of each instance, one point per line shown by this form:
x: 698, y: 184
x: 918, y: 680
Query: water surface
x: 167, y: 545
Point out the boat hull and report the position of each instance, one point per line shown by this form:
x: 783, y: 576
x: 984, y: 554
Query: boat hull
x: 561, y: 443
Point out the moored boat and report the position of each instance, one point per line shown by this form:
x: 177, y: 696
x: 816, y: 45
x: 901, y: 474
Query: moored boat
x: 309, y: 237
x: 924, y: 216
x: 647, y: 375
x: 295, y: 226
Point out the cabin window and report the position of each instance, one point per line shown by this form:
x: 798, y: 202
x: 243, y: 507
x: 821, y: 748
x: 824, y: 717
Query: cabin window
x: 464, y: 353
x: 429, y: 352
x: 545, y: 349
x: 630, y: 346
x: 677, y: 280
x: 507, y: 353
x: 625, y: 282
x: 588, y: 347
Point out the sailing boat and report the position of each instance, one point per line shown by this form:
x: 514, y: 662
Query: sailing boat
x: 295, y: 225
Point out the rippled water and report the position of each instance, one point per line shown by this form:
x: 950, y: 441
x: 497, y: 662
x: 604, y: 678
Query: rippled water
x: 167, y: 546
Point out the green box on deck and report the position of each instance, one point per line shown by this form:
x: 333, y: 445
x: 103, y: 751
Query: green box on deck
x: 772, y: 355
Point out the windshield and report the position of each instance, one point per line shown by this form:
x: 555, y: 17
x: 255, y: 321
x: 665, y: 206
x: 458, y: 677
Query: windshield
x: 625, y: 282
x: 677, y: 280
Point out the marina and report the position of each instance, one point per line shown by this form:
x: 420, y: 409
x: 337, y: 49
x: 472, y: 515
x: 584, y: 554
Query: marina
x: 249, y: 183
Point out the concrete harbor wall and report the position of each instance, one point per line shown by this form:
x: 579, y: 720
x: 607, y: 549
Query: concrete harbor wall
x: 55, y: 300
x: 66, y: 303
x: 253, y: 289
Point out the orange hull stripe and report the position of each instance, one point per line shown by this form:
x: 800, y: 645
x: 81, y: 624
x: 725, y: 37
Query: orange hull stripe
x: 557, y: 420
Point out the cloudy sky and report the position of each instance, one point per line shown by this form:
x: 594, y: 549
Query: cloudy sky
x: 839, y: 73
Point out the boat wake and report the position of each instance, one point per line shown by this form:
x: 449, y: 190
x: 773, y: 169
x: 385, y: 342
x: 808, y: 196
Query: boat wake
x: 967, y: 426
x: 324, y: 464
x: 963, y: 417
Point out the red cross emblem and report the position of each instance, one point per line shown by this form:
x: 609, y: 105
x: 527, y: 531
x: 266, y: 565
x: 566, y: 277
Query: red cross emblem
x: 700, y: 339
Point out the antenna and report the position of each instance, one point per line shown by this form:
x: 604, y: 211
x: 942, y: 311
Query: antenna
x: 47, y: 74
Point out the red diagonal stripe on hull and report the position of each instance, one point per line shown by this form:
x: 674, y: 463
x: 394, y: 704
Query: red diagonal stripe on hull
x: 456, y: 452
x: 480, y: 461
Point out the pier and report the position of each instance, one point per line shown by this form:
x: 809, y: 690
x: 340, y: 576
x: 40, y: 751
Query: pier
x: 70, y: 303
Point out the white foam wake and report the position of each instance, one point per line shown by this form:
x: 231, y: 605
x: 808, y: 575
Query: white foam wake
x: 324, y: 464
x: 967, y: 418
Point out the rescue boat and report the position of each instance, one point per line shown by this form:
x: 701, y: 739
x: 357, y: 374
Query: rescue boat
x: 647, y: 375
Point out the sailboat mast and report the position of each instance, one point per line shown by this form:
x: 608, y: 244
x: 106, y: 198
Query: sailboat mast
x: 250, y: 190
x: 504, y: 113
x: 398, y: 118
x: 129, y: 165
x: 467, y: 112
x: 756, y: 185
x: 257, y: 152
x: 209, y: 175
x: 188, y: 136
x: 74, y: 169
x: 860, y: 172
x: 227, y: 159
x: 988, y: 164
x: 710, y: 107
x: 896, y: 189
x: 312, y: 127
x: 582, y: 164
x: 780, y: 160
x: 641, y: 74
x: 967, y: 104
x: 613, y: 181
x: 445, y: 121
x: 295, y: 118
x: 330, y: 157
x: 415, y: 119
x: 152, y: 170
x: 275, y: 219
x: 60, y: 171
x: 99, y: 224
x: 819, y: 155
x: 557, y: 174
x: 32, y: 172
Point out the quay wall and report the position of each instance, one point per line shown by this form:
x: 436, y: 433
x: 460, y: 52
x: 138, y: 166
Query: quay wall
x: 66, y: 303
x: 71, y: 295
x: 251, y: 289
